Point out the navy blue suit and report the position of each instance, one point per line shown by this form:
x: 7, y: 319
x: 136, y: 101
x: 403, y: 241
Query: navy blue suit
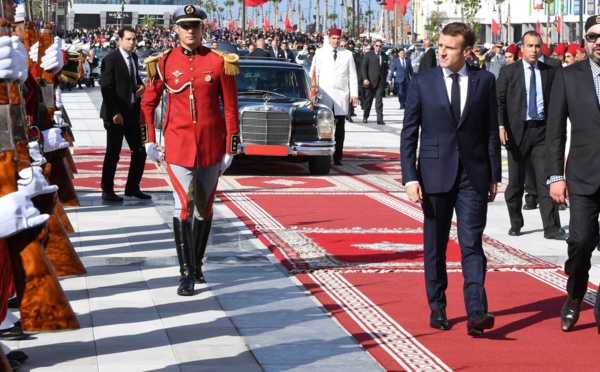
x: 458, y: 159
x: 401, y: 75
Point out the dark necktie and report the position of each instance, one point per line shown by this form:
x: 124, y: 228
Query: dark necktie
x: 334, y: 54
x: 532, y: 107
x: 132, y: 75
x: 455, y: 97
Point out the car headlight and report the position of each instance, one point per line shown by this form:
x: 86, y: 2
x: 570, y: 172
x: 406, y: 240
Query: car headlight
x: 325, y: 123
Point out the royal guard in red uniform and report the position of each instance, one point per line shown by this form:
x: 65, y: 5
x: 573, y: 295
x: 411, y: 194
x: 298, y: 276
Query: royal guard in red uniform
x: 199, y: 140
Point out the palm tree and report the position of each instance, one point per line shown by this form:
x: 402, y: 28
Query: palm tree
x: 275, y: 14
x: 229, y: 4
x: 325, y: 15
x: 317, y: 16
x: 290, y: 7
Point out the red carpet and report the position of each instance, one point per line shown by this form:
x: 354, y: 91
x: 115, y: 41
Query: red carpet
x: 89, y: 171
x: 352, y: 232
x: 389, y: 316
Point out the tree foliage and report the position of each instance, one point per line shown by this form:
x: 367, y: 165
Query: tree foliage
x: 433, y: 26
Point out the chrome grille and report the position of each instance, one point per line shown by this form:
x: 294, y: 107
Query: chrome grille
x: 266, y: 127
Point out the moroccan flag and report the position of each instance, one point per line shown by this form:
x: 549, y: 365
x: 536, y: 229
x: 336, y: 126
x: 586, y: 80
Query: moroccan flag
x: 538, y: 29
x: 390, y: 5
x: 287, y: 24
x: 495, y: 27
x: 213, y: 24
x: 256, y: 2
x: 249, y: 23
x: 267, y: 24
x: 558, y: 24
x: 403, y: 6
x: 231, y: 25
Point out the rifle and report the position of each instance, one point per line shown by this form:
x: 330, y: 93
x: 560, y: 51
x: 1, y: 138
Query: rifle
x: 43, y: 303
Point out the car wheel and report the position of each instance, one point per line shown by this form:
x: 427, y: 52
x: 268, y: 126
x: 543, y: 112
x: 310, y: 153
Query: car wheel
x: 319, y: 164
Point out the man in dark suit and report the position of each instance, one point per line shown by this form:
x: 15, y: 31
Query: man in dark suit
x: 400, y: 73
x: 276, y: 51
x: 429, y: 60
x: 575, y: 95
x: 523, y: 97
x: 454, y: 109
x: 121, y: 88
x: 260, y: 50
x: 357, y: 63
x: 374, y: 71
x: 287, y: 52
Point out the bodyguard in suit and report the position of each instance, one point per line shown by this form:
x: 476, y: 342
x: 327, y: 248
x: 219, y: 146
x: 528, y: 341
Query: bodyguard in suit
x: 523, y: 97
x: 400, y: 72
x: 374, y: 72
x: 357, y: 62
x: 122, y: 88
x: 454, y: 109
x: 276, y: 51
x: 429, y: 60
x: 575, y: 95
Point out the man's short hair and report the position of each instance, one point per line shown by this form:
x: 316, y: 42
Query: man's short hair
x: 459, y: 28
x: 121, y: 32
x: 400, y: 50
x: 531, y: 33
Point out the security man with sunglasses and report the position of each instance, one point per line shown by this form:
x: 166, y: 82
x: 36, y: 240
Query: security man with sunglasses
x: 576, y: 96
x: 199, y: 139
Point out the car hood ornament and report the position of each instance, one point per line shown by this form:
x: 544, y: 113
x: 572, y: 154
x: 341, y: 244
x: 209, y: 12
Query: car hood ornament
x: 267, y: 97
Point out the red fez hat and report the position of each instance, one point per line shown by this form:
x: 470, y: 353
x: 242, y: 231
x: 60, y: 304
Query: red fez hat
x: 560, y: 49
x: 582, y: 50
x: 335, y: 32
x: 512, y: 49
x: 520, y: 54
x: 572, y: 48
x: 545, y: 50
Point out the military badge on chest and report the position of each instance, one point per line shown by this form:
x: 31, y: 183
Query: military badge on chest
x: 177, y: 74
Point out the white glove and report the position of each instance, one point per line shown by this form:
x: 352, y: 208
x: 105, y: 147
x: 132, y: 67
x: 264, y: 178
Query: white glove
x: 58, y: 98
x: 53, y: 140
x: 33, y: 51
x: 33, y: 182
x: 58, y: 119
x: 153, y: 153
x: 53, y: 59
x: 35, y: 154
x: 226, y: 162
x: 9, y: 70
x: 18, y: 213
x: 20, y: 56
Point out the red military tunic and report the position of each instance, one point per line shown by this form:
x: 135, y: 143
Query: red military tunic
x: 195, y: 131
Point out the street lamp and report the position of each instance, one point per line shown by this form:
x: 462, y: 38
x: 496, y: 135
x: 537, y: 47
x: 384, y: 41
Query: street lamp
x: 122, y: 14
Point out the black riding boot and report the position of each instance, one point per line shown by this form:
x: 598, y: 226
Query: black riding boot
x: 201, y: 232
x: 185, y: 255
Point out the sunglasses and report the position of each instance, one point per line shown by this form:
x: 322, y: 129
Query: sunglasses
x: 591, y: 38
x: 378, y: 46
x: 188, y: 25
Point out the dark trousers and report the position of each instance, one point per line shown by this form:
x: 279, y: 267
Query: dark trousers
x: 583, y: 238
x: 402, y: 90
x: 130, y: 130
x: 471, y: 214
x: 530, y: 185
x: 532, y: 147
x: 340, y: 135
x: 377, y: 93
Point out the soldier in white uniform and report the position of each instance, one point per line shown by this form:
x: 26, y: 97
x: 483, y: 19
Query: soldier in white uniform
x: 337, y: 82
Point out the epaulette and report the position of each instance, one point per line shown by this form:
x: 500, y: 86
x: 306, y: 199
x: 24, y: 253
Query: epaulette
x: 151, y: 62
x: 232, y: 66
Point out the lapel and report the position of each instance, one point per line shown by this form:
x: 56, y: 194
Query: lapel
x: 472, y: 83
x: 586, y: 87
x: 520, y: 77
x: 441, y: 90
x: 545, y: 88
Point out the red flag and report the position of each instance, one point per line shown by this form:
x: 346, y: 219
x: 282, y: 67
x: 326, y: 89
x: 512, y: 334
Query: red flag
x: 495, y: 27
x: 390, y: 5
x: 313, y: 84
x: 213, y: 24
x: 538, y: 29
x: 267, y: 24
x: 558, y: 24
x: 287, y: 24
x: 231, y: 25
x: 256, y: 2
x: 249, y: 23
x: 403, y: 6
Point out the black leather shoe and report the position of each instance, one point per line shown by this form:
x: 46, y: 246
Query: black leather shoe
x: 17, y: 355
x: 199, y: 276
x: 570, y: 314
x: 381, y: 122
x: 438, y: 320
x: 529, y: 207
x: 514, y: 232
x: 138, y: 194
x: 337, y: 162
x: 553, y: 233
x: 111, y: 196
x: 14, y: 365
x: 12, y: 333
x: 478, y: 321
x: 349, y: 120
x: 364, y: 120
x: 353, y: 114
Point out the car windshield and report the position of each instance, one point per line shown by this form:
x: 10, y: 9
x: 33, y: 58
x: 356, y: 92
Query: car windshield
x: 286, y: 82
